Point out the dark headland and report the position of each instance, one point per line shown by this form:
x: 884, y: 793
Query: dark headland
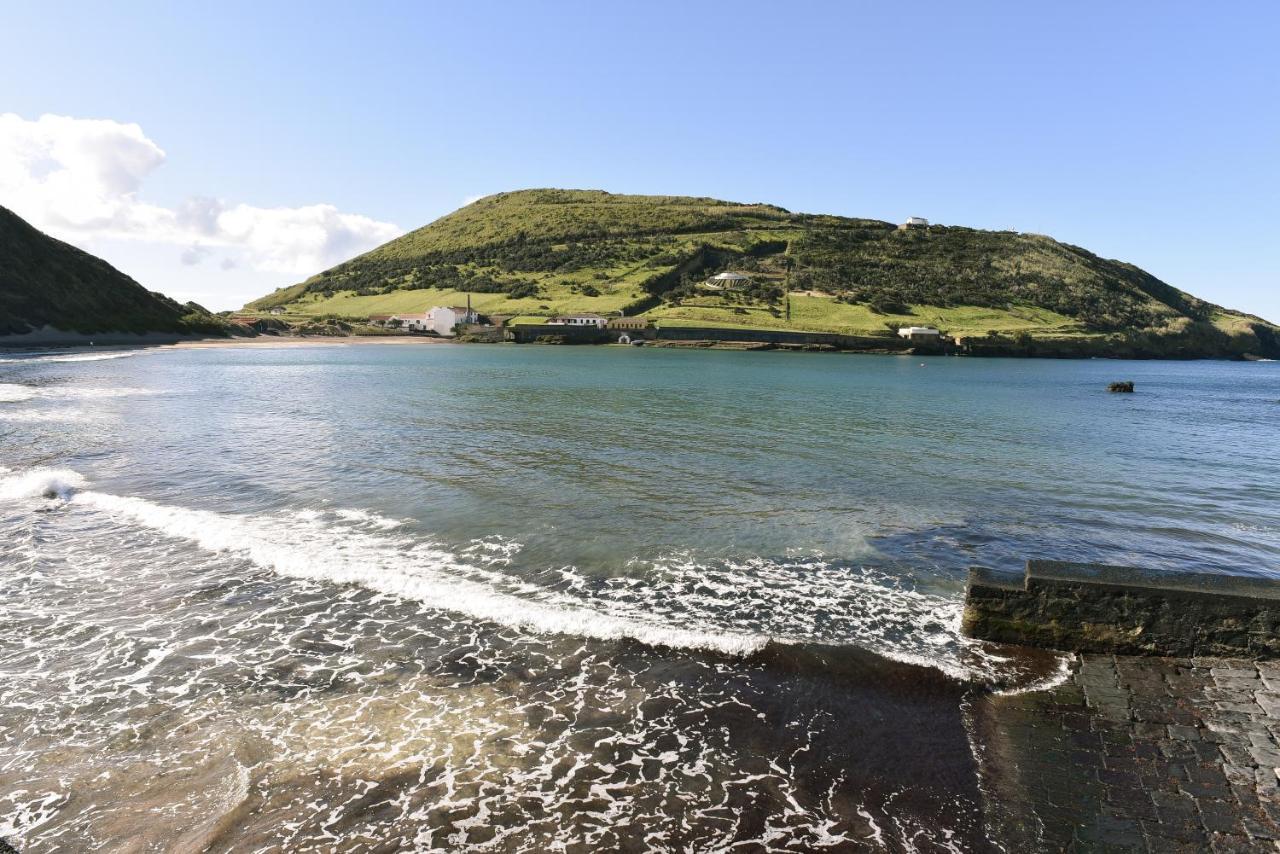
x: 53, y: 293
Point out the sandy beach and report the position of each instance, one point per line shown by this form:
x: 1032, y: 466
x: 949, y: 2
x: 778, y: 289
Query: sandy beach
x: 165, y: 342
x: 305, y: 341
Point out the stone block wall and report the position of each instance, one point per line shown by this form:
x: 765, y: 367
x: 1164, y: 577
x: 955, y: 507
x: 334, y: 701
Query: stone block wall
x: 1125, y: 611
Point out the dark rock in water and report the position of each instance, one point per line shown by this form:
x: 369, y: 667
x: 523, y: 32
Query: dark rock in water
x: 1126, y: 386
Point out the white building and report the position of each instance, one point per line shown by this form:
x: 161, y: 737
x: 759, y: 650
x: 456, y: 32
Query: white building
x: 727, y: 281
x: 411, y: 322
x: 599, y: 321
x: 915, y: 222
x: 919, y: 333
x: 441, y: 319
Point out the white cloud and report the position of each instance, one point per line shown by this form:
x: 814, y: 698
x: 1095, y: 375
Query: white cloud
x: 301, y: 240
x: 194, y: 254
x: 81, y: 178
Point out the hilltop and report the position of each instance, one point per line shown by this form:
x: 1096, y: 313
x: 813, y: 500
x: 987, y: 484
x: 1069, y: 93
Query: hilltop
x: 534, y: 253
x: 47, y: 283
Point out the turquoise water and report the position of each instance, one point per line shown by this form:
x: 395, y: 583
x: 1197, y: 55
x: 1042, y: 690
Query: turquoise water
x: 512, y: 598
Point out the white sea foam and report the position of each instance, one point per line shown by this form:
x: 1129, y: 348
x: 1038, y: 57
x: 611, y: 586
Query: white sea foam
x: 727, y: 607
x: 368, y: 517
x: 75, y: 357
x: 29, y: 404
x: 17, y: 393
x: 494, y: 550
x: 13, y: 393
x: 116, y: 391
x: 299, y: 546
x: 1060, y: 674
x: 802, y: 600
x: 733, y: 608
x: 44, y: 416
x: 40, y: 483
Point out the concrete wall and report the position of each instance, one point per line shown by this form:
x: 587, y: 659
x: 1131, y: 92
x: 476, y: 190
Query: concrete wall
x: 771, y: 336
x: 527, y: 333
x: 1127, y: 611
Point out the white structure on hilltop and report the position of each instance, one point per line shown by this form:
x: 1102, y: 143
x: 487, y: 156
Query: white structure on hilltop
x: 441, y: 319
x: 915, y: 222
x: 599, y: 321
x: 727, y: 280
x: 919, y: 333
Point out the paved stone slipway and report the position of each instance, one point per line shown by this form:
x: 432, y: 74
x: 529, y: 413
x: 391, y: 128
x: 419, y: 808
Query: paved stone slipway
x: 1137, y: 754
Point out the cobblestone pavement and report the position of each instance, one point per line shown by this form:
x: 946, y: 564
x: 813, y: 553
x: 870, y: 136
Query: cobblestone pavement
x: 1137, y: 754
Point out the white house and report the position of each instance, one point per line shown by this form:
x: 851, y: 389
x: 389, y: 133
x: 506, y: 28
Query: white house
x: 441, y: 319
x: 599, y: 321
x: 919, y: 333
x: 411, y: 322
x: 915, y: 222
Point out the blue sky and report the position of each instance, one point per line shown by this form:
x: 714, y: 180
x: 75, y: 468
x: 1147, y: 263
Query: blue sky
x: 1148, y: 132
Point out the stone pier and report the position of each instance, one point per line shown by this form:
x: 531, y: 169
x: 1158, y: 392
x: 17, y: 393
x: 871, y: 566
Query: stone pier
x: 1166, y: 735
x: 1112, y: 609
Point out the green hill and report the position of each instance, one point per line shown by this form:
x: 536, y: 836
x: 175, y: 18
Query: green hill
x: 45, y: 282
x: 538, y: 252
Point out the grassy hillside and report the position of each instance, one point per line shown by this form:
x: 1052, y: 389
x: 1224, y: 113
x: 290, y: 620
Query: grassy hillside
x: 44, y: 281
x: 541, y: 252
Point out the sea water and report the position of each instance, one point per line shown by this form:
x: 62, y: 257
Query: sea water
x: 538, y: 598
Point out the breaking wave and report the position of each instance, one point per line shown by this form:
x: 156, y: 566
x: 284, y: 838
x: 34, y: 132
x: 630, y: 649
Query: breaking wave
x: 323, y: 547
x: 41, y: 416
x: 74, y: 357
x: 730, y: 608
x: 14, y: 393
x: 34, y: 400
x: 40, y: 483
x: 807, y: 601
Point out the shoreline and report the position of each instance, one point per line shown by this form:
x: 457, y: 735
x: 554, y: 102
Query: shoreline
x: 307, y: 340
x: 691, y: 344
x: 158, y: 341
x: 218, y: 343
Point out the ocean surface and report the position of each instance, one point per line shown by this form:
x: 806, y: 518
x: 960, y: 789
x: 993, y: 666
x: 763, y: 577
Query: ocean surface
x: 385, y: 598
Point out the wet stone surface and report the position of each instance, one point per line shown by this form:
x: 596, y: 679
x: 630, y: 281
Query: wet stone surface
x: 1139, y: 754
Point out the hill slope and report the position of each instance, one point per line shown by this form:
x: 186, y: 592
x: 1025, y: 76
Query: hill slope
x: 536, y: 252
x: 45, y: 282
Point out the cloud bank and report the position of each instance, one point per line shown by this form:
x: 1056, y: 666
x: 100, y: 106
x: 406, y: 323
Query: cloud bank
x: 82, y: 178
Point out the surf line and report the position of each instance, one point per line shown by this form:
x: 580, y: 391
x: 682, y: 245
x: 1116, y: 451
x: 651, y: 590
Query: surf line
x: 421, y: 572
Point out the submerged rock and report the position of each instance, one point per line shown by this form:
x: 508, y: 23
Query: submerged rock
x: 1126, y: 386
